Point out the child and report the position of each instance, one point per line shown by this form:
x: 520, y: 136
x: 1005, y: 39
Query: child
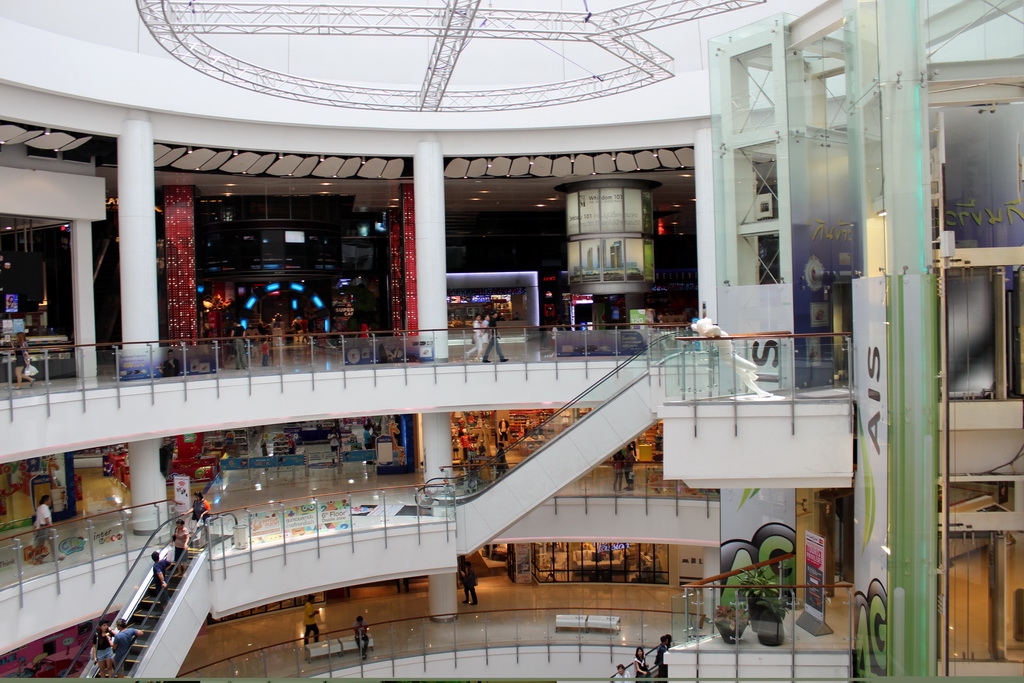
x: 265, y: 352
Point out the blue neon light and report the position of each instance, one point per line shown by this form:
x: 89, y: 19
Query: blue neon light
x: 295, y: 304
x: 297, y: 287
x: 200, y: 289
x: 245, y: 323
x: 317, y: 301
x: 250, y: 303
x: 274, y: 287
x: 327, y: 325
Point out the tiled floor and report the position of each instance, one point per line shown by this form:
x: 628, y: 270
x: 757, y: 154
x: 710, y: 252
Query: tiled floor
x: 496, y: 593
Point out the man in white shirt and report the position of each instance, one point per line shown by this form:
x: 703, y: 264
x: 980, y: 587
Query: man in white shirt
x: 44, y: 519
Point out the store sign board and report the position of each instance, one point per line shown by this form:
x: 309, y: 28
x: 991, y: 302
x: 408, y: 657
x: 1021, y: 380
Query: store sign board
x: 870, y: 484
x: 181, y: 485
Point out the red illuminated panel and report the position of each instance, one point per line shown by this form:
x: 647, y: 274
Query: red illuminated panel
x: 180, y: 261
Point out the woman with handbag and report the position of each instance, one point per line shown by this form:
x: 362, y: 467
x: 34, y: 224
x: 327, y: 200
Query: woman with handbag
x: 23, y: 368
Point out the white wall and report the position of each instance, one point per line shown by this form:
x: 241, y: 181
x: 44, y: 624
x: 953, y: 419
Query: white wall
x: 659, y: 520
x: 56, y: 195
x: 759, y: 444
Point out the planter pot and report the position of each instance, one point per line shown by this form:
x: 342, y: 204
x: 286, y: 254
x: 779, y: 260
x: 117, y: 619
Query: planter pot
x: 729, y: 634
x: 768, y: 628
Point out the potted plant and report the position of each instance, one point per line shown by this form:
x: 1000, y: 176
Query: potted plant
x: 730, y: 622
x: 766, y: 603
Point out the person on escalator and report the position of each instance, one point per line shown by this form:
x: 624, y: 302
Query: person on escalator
x: 160, y: 576
x: 103, y: 650
x: 180, y: 538
x: 123, y: 640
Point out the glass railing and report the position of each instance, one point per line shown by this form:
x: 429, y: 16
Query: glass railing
x: 77, y: 542
x: 746, y: 618
x: 128, y: 601
x: 620, y: 630
x: 760, y: 367
x: 280, y: 526
x: 474, y: 477
x: 647, y: 482
x: 179, y: 363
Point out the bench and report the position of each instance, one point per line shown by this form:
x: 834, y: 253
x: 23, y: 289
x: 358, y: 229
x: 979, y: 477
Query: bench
x: 334, y: 647
x: 587, y: 622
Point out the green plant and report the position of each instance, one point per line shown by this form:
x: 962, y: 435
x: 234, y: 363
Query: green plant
x: 759, y: 583
x: 729, y: 616
x: 762, y: 590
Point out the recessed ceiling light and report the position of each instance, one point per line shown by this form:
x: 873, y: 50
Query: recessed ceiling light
x: 540, y: 204
x: 229, y: 184
x: 685, y: 175
x: 552, y: 199
x: 394, y: 199
x: 483, y: 191
x: 474, y: 199
x: 325, y: 183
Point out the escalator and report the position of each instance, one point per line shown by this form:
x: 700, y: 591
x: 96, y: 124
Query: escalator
x: 144, y: 604
x: 490, y: 496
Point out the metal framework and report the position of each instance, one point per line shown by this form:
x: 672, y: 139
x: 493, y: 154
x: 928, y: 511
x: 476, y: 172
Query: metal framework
x: 180, y: 25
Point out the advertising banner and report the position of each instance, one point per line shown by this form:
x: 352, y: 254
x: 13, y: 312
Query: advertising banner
x: 182, y: 500
x: 870, y: 484
x: 49, y: 657
x: 813, y: 618
x: 757, y: 525
x: 366, y: 351
x: 599, y: 343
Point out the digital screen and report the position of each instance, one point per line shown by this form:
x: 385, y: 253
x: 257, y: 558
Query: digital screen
x: 294, y: 236
x: 10, y: 303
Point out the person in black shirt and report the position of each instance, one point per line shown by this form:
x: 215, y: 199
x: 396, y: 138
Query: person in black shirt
x: 159, y: 586
x: 492, y: 324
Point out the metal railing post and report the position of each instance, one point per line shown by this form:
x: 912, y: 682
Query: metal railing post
x: 312, y: 363
x: 216, y: 365
x: 18, y: 551
x: 117, y: 374
x: 248, y: 521
x: 92, y: 549
x: 51, y: 538
x: 384, y: 514
x: 344, y: 363
x: 316, y: 519
x: 124, y: 535
x: 46, y: 378
x: 223, y: 550
x: 284, y: 536
x: 184, y: 369
x: 152, y: 380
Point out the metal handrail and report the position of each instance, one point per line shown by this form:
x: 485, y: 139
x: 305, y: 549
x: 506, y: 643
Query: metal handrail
x: 447, y: 616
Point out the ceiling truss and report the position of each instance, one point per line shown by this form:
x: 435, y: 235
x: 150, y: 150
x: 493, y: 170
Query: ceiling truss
x: 181, y: 25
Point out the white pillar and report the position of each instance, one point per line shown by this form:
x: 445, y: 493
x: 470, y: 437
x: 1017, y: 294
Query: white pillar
x: 431, y: 263
x: 436, y: 437
x: 137, y: 230
x: 148, y: 485
x: 707, y: 248
x: 712, y: 559
x: 82, y: 291
x: 443, y: 598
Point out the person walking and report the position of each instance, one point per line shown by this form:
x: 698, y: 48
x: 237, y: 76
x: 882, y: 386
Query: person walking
x: 469, y: 585
x: 362, y: 629
x: 627, y: 466
x: 103, y: 650
x: 620, y: 671
x: 492, y: 330
x: 180, y: 539
x: 659, y: 657
x: 479, y: 337
x: 619, y: 467
x: 23, y: 363
x: 123, y: 640
x: 41, y: 538
x: 309, y: 621
x: 238, y: 346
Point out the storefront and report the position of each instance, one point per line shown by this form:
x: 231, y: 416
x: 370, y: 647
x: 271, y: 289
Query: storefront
x: 24, y: 482
x: 601, y: 562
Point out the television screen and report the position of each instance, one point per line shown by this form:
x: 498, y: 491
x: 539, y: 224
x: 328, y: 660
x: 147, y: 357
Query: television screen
x: 10, y: 303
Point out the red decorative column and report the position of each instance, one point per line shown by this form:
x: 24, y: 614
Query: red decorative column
x: 408, y: 255
x: 180, y: 261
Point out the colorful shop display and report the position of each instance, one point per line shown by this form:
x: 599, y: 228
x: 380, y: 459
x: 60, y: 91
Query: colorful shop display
x: 194, y: 459
x: 50, y: 656
x: 24, y: 482
x: 601, y: 561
